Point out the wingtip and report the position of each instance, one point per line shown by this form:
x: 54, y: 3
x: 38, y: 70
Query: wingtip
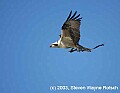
x: 75, y: 11
x: 102, y: 44
x: 73, y: 15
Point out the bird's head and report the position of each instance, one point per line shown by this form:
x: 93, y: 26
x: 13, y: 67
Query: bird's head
x: 54, y: 45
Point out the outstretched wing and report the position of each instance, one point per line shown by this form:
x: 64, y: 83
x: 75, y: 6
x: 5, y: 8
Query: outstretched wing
x: 71, y: 28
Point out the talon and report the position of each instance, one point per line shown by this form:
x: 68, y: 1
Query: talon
x: 72, y: 50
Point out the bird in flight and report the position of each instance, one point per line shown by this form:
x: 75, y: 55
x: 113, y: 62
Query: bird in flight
x: 70, y: 35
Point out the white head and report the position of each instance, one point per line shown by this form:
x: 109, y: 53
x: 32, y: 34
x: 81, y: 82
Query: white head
x: 54, y: 45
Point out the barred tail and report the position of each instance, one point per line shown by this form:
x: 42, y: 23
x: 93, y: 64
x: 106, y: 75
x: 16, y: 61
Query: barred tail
x: 98, y: 46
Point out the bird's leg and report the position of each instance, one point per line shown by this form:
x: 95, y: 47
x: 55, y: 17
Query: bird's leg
x: 72, y: 50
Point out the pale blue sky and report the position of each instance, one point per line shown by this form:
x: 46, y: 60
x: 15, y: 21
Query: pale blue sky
x: 28, y: 27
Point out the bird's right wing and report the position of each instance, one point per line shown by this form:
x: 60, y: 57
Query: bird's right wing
x: 71, y: 28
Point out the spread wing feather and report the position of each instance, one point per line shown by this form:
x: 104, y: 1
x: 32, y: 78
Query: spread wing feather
x: 69, y: 15
x: 71, y: 28
x: 73, y: 15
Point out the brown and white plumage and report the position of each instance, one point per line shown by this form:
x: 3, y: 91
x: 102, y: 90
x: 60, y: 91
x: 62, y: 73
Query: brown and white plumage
x: 71, y: 29
x: 71, y: 35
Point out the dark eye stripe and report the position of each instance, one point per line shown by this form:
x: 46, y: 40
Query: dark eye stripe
x: 56, y: 44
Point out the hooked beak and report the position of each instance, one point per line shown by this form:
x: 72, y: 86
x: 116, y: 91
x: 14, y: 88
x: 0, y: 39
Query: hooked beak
x: 50, y: 45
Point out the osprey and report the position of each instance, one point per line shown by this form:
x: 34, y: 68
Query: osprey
x: 70, y: 35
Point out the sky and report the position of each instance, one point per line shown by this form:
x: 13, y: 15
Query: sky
x: 29, y: 65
